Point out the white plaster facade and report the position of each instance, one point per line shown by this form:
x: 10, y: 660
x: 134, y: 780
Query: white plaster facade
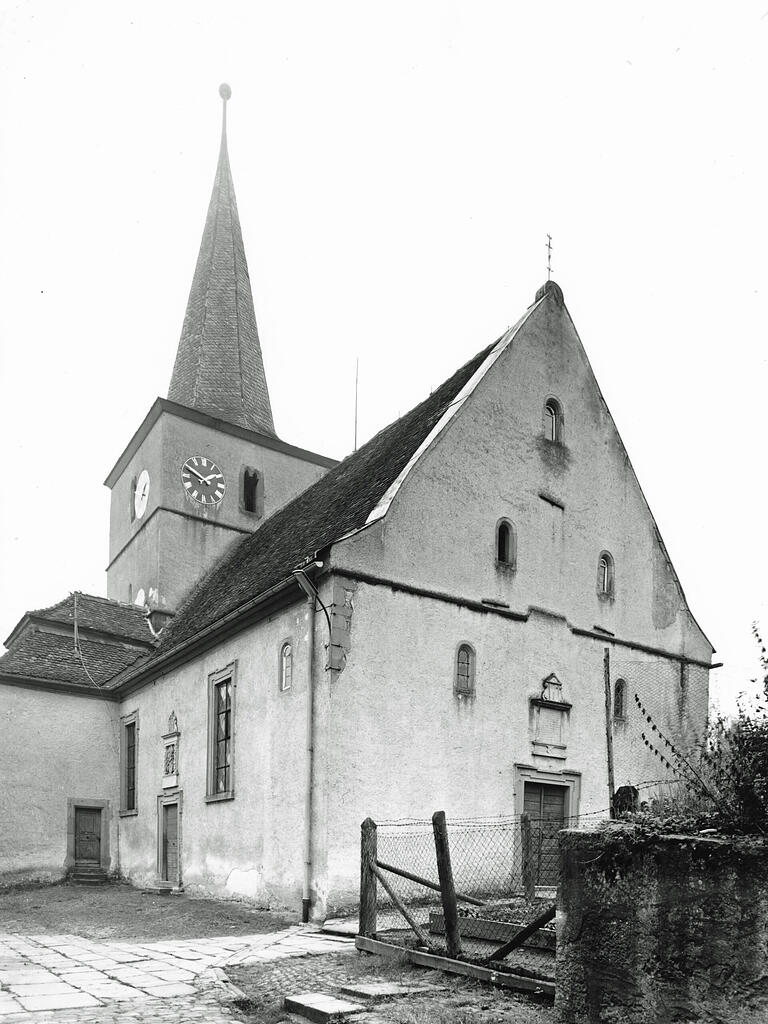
x: 58, y: 749
x: 392, y: 739
x: 371, y: 724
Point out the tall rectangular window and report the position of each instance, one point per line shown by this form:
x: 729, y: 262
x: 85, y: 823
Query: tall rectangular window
x: 221, y: 734
x: 223, y: 764
x: 129, y: 736
x: 130, y: 767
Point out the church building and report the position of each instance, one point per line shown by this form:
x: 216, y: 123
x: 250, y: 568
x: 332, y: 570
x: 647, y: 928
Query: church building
x: 290, y: 644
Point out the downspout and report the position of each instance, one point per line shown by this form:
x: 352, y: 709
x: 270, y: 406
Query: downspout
x: 306, y: 900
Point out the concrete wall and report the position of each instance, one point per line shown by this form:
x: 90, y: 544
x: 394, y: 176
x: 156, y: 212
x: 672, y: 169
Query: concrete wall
x: 56, y: 747
x: 161, y: 553
x: 661, y: 929
x: 251, y: 845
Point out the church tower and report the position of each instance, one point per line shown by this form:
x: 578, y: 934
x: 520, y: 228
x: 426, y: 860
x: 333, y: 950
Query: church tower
x: 206, y: 466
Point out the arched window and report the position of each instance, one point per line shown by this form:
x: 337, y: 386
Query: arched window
x: 133, y: 499
x: 605, y: 581
x: 506, y: 543
x: 553, y: 420
x: 286, y: 666
x: 250, y: 490
x: 619, y: 699
x: 464, y: 679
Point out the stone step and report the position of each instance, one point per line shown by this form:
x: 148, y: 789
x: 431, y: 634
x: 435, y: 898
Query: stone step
x: 321, y: 1007
x: 87, y: 874
x: 388, y: 990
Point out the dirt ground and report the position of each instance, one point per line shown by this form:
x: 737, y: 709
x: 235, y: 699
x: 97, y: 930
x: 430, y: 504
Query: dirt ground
x: 123, y: 913
x: 455, y: 1000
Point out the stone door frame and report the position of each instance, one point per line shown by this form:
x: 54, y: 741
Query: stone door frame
x: 162, y: 801
x: 91, y: 805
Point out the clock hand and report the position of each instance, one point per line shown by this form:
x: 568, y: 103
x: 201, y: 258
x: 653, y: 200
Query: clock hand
x: 198, y: 475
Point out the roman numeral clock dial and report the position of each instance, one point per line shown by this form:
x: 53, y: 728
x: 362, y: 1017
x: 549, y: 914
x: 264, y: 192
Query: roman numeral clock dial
x: 203, y: 481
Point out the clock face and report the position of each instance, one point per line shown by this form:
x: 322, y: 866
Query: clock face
x: 141, y: 494
x: 203, y: 480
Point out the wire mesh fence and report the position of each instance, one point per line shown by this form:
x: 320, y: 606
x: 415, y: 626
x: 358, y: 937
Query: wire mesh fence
x: 504, y: 874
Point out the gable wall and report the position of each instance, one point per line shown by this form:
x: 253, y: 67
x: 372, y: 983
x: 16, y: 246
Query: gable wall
x: 251, y: 845
x: 56, y: 747
x: 492, y: 462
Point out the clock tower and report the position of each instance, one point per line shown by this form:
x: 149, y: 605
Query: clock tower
x: 206, y: 466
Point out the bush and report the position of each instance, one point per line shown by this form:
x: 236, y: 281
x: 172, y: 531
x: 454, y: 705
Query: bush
x: 725, y: 784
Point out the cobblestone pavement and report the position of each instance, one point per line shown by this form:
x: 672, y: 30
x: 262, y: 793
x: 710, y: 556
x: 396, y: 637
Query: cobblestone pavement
x: 68, y: 978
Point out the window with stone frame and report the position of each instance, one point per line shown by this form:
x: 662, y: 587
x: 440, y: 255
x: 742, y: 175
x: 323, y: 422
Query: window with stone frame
x: 464, y: 673
x: 506, y: 544
x: 221, y: 707
x: 128, y: 761
x: 286, y: 666
x: 605, y: 575
x: 553, y: 421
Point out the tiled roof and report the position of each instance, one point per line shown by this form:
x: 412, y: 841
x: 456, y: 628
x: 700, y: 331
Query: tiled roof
x: 99, y: 613
x: 338, y: 503
x: 53, y: 656
x: 219, y: 368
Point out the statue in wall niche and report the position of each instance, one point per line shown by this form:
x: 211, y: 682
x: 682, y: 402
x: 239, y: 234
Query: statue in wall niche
x: 173, y: 725
x: 169, y: 767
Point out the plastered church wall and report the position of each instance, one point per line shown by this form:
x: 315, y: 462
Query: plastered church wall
x: 56, y: 747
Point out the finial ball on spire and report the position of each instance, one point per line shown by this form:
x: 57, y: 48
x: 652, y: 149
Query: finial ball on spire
x: 224, y: 91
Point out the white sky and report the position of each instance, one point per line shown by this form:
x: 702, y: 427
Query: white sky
x: 397, y: 168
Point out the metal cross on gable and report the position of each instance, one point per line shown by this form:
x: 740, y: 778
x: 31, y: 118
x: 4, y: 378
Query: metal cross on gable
x: 549, y: 257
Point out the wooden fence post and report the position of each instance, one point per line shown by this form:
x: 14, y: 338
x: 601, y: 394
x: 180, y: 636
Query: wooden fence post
x: 447, y: 891
x: 367, y: 923
x: 529, y: 875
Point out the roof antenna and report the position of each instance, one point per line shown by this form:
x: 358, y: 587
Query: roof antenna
x: 357, y: 367
x: 549, y: 257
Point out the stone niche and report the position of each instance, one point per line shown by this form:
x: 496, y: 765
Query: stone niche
x: 171, y: 753
x: 549, y: 717
x: 661, y: 928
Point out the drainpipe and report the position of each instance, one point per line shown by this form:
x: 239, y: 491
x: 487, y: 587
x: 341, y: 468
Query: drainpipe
x: 313, y: 598
x: 306, y: 900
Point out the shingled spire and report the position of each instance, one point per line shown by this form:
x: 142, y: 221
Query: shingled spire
x: 219, y: 369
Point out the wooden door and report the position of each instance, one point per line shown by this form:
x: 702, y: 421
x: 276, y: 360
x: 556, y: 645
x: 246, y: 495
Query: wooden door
x: 171, y: 843
x: 88, y: 834
x: 545, y: 806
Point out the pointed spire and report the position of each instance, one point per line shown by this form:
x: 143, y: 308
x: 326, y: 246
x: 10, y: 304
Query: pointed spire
x: 219, y: 368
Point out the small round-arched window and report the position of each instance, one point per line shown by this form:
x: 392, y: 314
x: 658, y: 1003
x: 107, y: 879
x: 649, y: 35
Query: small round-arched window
x: 553, y: 420
x: 506, y: 544
x: 464, y: 677
x: 286, y: 666
x: 605, y: 575
x: 620, y: 699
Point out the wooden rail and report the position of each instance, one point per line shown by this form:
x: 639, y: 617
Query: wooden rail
x: 427, y: 884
